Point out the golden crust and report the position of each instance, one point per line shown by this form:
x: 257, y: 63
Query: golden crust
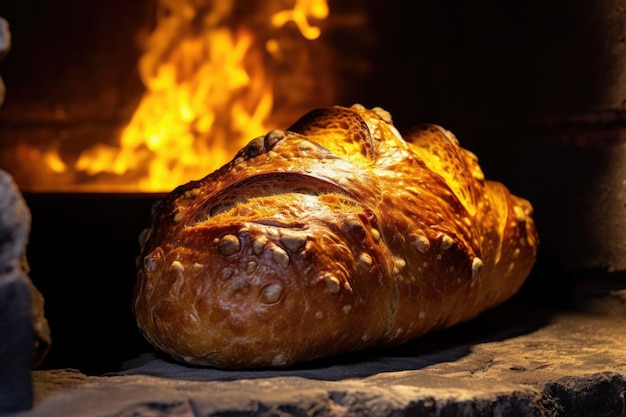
x: 332, y: 236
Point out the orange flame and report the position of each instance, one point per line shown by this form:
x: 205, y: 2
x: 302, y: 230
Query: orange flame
x: 208, y: 92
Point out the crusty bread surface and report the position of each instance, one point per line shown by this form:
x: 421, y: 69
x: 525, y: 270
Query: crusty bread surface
x: 332, y: 236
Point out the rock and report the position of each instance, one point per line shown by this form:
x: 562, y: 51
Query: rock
x: 43, y: 339
x: 16, y: 330
x: 5, y: 38
x: 595, y: 395
x: 5, y: 45
x: 24, y: 331
x: 71, y: 394
x: 16, y: 333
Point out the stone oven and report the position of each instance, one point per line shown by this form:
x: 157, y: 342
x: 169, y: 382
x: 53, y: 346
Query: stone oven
x: 537, y: 90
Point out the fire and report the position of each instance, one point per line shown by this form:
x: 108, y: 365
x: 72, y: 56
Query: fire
x: 300, y: 16
x: 209, y: 69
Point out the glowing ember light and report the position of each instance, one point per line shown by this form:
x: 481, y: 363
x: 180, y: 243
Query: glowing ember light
x: 208, y: 92
x: 300, y: 15
x: 54, y: 161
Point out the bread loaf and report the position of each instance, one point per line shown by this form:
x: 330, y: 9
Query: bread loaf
x: 334, y: 235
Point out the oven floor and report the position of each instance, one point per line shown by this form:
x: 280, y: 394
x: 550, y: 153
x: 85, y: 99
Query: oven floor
x: 511, y: 361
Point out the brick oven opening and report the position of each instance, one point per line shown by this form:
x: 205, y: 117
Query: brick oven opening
x: 536, y: 90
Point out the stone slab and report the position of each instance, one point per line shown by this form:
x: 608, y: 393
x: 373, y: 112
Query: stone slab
x: 511, y: 361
